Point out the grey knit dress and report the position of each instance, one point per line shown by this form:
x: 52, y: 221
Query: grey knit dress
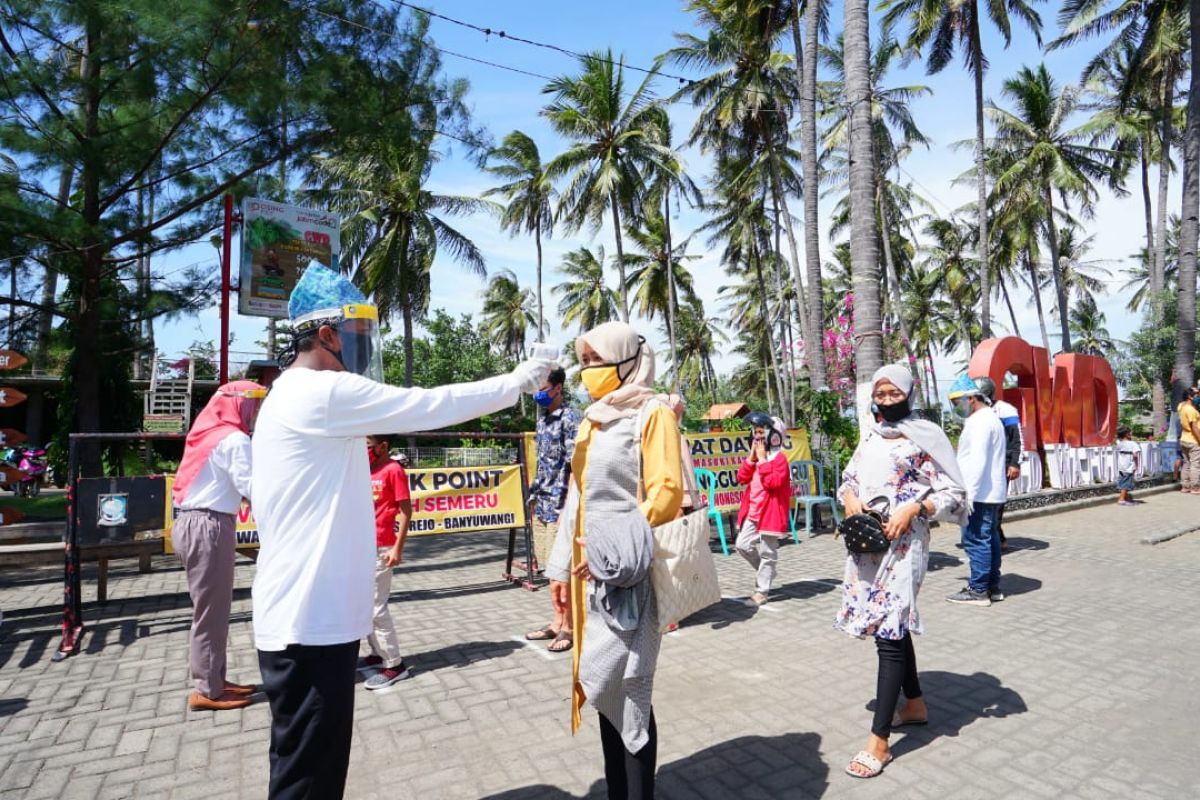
x: 616, y: 667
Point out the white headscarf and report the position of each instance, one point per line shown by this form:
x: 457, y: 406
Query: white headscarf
x: 923, y: 433
x: 617, y: 342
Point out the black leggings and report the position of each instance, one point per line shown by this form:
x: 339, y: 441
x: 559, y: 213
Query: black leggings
x: 630, y: 776
x: 897, y: 669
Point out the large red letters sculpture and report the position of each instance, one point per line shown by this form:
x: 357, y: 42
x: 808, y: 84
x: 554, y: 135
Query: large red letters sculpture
x: 1077, y: 407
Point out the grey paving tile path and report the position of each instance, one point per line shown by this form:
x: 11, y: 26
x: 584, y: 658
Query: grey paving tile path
x: 1084, y: 683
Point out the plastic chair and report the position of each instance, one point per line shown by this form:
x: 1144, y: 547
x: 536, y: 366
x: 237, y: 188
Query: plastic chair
x: 706, y: 480
x: 801, y: 477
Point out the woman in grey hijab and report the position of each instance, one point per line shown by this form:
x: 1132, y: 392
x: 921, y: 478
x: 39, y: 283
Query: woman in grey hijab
x: 906, y: 467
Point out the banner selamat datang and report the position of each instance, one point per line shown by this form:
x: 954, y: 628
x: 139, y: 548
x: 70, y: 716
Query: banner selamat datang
x: 445, y: 500
x: 722, y: 453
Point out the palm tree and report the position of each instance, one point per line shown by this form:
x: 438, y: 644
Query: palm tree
x: 945, y: 24
x: 889, y: 109
x: 1185, y: 346
x: 586, y: 298
x: 745, y: 99
x: 1138, y: 286
x: 815, y: 26
x: 615, y: 140
x: 948, y: 256
x: 698, y: 337
x: 393, y: 227
x: 506, y: 313
x: 529, y: 193
x: 1037, y: 149
x: 1157, y: 32
x: 864, y: 250
x: 653, y: 278
x: 671, y: 180
x: 1083, y: 278
x: 1087, y: 324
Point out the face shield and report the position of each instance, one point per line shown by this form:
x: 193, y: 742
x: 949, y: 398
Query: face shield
x: 357, y: 325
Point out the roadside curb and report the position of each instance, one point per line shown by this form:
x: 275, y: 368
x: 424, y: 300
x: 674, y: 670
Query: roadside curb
x: 1087, y: 502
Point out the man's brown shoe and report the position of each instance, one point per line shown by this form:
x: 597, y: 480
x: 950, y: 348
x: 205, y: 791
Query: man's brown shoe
x: 225, y: 702
x: 240, y: 689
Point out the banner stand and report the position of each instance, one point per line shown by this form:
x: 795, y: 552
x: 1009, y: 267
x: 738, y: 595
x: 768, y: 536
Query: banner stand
x: 526, y: 530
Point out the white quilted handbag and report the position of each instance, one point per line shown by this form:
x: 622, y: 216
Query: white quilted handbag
x: 683, y: 572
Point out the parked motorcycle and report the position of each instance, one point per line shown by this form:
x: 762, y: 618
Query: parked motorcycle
x: 32, y: 462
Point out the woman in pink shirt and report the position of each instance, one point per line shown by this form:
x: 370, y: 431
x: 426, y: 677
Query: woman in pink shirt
x: 763, y: 516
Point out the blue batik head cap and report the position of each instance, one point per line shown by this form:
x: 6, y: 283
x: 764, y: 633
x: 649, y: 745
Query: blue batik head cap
x: 321, y: 298
x: 322, y: 293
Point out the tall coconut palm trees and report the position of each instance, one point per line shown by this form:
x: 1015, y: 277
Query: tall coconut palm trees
x: 864, y: 243
x: 586, y: 299
x: 745, y: 100
x: 945, y: 25
x: 507, y: 314
x: 529, y: 193
x: 1185, y: 346
x: 1037, y: 148
x: 394, y: 226
x: 615, y: 138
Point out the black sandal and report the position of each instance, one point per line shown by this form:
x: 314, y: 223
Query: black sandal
x: 563, y: 636
x: 545, y: 634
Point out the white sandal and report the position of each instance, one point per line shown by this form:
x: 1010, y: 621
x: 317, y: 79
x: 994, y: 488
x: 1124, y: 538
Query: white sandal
x: 864, y: 759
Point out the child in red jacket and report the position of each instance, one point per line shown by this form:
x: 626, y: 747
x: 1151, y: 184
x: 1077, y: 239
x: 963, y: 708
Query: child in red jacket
x: 766, y: 503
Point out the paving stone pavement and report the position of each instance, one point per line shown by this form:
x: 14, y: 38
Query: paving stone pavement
x: 1082, y: 684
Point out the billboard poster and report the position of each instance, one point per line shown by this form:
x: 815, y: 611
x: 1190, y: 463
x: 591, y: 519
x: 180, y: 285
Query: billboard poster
x: 278, y: 242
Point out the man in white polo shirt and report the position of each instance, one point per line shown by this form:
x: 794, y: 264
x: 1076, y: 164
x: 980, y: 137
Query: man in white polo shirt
x: 313, y: 588
x: 981, y: 460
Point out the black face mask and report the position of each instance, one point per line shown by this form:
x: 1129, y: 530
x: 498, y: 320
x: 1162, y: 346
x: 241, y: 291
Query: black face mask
x: 894, y: 412
x: 358, y: 346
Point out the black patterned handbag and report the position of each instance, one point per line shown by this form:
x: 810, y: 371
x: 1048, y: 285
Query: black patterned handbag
x: 863, y: 532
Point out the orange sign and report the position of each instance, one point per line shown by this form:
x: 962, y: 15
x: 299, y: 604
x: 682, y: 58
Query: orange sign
x: 12, y: 360
x: 10, y: 515
x: 10, y: 398
x: 1076, y: 406
x: 10, y: 475
x: 10, y: 436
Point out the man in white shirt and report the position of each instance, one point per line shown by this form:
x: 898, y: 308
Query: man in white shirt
x: 1014, y: 442
x: 981, y: 458
x: 313, y: 590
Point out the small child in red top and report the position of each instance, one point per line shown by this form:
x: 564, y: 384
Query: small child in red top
x: 763, y: 517
x: 393, y: 511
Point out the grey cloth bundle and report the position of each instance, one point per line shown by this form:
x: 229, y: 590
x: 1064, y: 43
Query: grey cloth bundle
x: 619, y: 551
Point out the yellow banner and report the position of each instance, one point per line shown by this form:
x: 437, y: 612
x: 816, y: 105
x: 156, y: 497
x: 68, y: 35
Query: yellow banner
x: 722, y: 453
x: 445, y: 500
x: 246, y: 529
x: 458, y: 499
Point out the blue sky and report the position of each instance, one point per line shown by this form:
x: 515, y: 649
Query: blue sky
x: 503, y: 101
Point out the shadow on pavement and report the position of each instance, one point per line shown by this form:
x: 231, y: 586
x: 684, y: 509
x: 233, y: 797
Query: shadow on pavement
x: 955, y: 701
x: 796, y: 771
x: 942, y: 560
x: 1013, y: 585
x: 462, y: 654
x: 1016, y: 543
x: 804, y: 590
x: 723, y: 614
x: 12, y: 705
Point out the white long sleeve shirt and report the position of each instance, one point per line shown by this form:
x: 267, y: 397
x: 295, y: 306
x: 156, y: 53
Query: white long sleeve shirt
x: 981, y: 457
x: 314, y: 582
x: 224, y: 479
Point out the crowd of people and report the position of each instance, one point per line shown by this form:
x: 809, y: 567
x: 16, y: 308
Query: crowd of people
x: 605, y: 478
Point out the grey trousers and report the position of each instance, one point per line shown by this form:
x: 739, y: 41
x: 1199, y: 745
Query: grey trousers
x: 762, y: 552
x: 204, y: 541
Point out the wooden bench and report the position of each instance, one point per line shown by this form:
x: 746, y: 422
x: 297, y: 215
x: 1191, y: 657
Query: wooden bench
x: 52, y: 553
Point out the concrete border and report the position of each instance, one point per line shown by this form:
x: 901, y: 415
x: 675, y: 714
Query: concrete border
x: 1087, y: 502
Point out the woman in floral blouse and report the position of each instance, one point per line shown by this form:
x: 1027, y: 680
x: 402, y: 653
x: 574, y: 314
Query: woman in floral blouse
x: 906, y: 466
